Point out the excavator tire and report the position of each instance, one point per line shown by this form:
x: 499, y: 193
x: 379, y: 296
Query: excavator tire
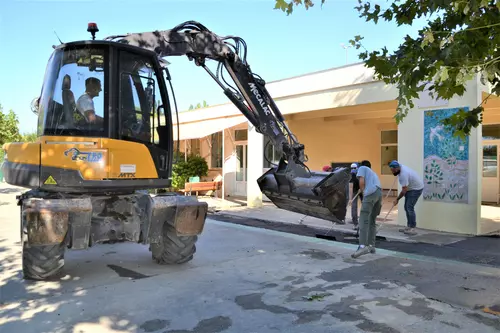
x: 42, y: 262
x: 173, y: 249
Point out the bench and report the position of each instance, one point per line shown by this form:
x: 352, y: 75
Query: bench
x: 201, y: 186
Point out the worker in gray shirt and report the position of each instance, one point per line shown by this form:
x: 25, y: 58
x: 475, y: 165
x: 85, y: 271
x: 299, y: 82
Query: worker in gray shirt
x: 371, y: 205
x: 412, y: 188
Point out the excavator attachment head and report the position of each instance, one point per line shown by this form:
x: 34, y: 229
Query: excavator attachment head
x: 319, y: 194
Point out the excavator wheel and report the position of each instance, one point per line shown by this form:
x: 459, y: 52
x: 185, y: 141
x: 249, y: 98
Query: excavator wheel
x: 42, y: 262
x: 173, y: 249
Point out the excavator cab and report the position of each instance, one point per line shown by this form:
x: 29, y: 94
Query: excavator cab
x: 104, y: 123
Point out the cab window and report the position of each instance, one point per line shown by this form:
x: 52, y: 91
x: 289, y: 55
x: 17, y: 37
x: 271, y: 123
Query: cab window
x: 72, y: 98
x: 138, y: 98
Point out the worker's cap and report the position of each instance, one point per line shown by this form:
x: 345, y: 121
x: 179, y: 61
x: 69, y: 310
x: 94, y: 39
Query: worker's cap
x: 354, y: 166
x: 327, y: 168
x: 394, y: 164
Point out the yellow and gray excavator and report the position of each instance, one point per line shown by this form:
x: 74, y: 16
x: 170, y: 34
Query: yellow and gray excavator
x: 105, y: 137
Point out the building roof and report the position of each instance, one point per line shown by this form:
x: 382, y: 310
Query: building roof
x: 328, y: 79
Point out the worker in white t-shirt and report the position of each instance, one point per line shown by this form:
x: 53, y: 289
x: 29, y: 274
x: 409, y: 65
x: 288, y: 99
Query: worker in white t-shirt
x: 412, y: 188
x: 85, y: 104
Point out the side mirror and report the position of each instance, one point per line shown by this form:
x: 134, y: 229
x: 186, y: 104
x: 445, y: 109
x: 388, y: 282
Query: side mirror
x: 35, y: 105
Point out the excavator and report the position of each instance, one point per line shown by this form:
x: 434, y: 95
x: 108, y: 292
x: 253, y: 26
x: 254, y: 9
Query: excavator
x: 106, y: 139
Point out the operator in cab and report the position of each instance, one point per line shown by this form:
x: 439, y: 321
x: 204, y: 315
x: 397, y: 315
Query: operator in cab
x: 85, y: 104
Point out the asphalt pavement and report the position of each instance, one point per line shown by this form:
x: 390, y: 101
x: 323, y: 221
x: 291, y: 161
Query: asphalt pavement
x: 244, y: 279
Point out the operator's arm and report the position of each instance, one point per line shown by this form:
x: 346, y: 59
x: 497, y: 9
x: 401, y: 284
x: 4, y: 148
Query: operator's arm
x: 85, y: 105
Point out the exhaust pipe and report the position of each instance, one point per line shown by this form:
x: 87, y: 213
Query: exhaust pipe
x: 318, y: 194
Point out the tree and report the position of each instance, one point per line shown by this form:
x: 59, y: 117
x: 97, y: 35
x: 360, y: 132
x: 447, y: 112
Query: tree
x: 29, y: 137
x: 194, y: 166
x: 459, y: 42
x: 9, y: 127
x: 198, y: 106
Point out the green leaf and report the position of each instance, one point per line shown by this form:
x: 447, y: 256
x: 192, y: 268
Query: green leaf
x: 443, y: 74
x: 281, y: 4
x: 428, y: 38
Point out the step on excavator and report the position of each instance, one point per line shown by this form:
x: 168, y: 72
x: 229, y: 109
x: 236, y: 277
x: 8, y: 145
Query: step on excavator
x: 106, y: 137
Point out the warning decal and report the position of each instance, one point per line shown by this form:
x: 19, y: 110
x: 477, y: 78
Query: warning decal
x: 50, y: 181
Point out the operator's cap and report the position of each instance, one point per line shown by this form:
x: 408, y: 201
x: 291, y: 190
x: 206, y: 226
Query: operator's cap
x: 327, y: 168
x: 354, y: 166
x: 394, y: 164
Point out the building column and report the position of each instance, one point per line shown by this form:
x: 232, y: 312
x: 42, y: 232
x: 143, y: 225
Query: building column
x: 255, y: 165
x: 451, y: 200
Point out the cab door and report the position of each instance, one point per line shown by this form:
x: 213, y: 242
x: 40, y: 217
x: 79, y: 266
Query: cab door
x: 139, y: 99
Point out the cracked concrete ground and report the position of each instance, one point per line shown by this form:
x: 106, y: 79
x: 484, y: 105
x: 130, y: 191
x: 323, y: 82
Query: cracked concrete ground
x: 244, y: 280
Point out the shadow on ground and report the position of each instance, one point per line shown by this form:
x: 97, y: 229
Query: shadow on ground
x: 25, y: 302
x: 9, y: 190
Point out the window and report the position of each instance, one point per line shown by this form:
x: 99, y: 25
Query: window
x: 241, y: 135
x: 388, y: 150
x: 490, y: 161
x: 137, y: 98
x: 194, y: 145
x: 242, y: 162
x: 73, y: 96
x: 491, y: 132
x: 389, y: 137
x: 271, y: 156
x: 216, y: 150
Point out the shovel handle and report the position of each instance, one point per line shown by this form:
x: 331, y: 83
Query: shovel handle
x: 392, y: 186
x: 390, y: 210
x: 350, y: 202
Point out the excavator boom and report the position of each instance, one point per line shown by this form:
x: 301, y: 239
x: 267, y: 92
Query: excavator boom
x: 195, y: 41
x: 290, y: 185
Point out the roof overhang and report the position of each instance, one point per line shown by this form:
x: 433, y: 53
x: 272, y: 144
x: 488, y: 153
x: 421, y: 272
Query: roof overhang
x: 201, y: 129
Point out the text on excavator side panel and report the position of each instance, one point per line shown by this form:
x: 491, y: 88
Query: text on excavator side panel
x: 255, y: 91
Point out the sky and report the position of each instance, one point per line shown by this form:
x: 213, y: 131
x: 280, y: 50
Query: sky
x: 279, y: 46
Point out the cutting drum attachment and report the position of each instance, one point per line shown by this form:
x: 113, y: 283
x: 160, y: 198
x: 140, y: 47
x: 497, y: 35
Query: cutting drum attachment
x: 320, y: 194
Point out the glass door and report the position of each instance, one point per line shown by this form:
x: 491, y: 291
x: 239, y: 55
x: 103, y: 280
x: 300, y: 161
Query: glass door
x: 490, y: 180
x: 241, y: 169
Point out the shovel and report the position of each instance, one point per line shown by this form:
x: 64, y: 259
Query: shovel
x: 385, y: 218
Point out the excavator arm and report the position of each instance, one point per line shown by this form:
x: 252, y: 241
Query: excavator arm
x: 195, y: 41
x: 291, y: 185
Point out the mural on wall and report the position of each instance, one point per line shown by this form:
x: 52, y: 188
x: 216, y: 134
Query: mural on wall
x: 446, y: 160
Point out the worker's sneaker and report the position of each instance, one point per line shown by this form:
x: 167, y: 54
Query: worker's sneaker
x: 404, y: 229
x: 360, y: 251
x: 411, y: 232
x: 372, y: 249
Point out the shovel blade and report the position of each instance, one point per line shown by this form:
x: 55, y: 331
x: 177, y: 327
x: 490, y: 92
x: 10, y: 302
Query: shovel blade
x: 319, y: 194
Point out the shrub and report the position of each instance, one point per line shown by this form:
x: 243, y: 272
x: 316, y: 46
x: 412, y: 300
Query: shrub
x: 194, y: 166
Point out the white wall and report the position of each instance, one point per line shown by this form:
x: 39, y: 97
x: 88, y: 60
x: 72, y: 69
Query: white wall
x: 229, y: 162
x: 255, y: 163
x: 442, y: 216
